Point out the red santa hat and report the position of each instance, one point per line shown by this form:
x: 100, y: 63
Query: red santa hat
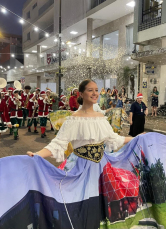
x: 74, y: 90
x: 10, y: 89
x: 48, y: 90
x: 63, y: 96
x: 3, y: 91
x: 43, y: 93
x: 139, y: 96
x: 37, y: 89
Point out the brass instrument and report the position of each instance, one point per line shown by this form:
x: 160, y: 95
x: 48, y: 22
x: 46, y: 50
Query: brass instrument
x: 3, y: 83
x: 26, y: 101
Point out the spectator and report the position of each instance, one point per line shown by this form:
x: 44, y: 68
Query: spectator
x: 137, y: 116
x: 119, y: 102
x: 103, y: 99
x: 154, y: 104
x: 73, y: 100
x: 108, y: 97
x: 114, y: 95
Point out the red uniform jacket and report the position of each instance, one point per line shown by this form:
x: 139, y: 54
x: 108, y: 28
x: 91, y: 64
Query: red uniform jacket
x: 24, y: 98
x: 31, y: 106
x: 62, y: 104
x: 73, y: 103
x: 4, y: 116
x: 43, y: 107
x: 15, y: 108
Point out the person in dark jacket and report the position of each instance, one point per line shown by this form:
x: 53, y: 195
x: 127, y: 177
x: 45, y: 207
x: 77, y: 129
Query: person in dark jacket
x: 137, y: 116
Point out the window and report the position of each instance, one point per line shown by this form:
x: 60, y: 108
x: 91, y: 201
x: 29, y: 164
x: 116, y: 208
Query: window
x: 129, y: 39
x: 34, y: 6
x: 110, y: 45
x: 96, y: 47
x: 28, y: 36
x: 28, y: 15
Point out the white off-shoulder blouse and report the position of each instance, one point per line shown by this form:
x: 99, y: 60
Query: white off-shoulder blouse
x: 83, y: 131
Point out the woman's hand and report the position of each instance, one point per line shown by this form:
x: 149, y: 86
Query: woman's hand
x: 30, y: 154
x: 131, y: 122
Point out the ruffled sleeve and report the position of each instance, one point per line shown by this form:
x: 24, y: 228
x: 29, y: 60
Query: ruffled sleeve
x: 60, y: 143
x: 114, y: 141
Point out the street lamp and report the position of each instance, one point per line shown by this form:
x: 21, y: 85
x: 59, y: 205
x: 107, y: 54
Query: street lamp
x: 60, y: 45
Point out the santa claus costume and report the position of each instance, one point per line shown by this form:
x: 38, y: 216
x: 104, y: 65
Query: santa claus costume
x: 73, y: 100
x: 4, y: 116
x: 25, y: 99
x: 16, y: 114
x: 43, y: 112
x: 62, y: 104
x: 32, y: 112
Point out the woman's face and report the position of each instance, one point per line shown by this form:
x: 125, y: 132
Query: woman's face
x: 155, y: 89
x: 75, y: 92
x: 109, y: 91
x: 91, y: 94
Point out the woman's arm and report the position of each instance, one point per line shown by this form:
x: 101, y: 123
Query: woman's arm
x: 42, y: 153
x: 131, y: 118
x: 127, y: 139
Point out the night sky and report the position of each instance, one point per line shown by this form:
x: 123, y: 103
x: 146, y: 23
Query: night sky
x: 8, y: 22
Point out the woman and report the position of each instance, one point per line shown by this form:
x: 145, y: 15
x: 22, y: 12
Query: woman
x: 108, y: 97
x: 73, y: 100
x: 137, y: 116
x: 103, y: 99
x: 123, y: 91
x: 154, y: 104
x: 114, y: 95
x: 120, y: 101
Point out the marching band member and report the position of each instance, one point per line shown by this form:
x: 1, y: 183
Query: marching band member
x: 63, y: 104
x: 73, y: 100
x: 37, y: 93
x: 51, y: 101
x: 43, y: 112
x: 25, y: 99
x: 16, y: 114
x: 32, y: 113
x: 4, y: 116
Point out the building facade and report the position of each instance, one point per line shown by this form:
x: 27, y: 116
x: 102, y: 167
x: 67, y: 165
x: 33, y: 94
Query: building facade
x: 97, y: 41
x: 11, y: 57
x: 150, y: 35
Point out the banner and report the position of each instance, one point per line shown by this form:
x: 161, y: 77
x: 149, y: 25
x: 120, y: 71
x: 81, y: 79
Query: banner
x: 124, y: 190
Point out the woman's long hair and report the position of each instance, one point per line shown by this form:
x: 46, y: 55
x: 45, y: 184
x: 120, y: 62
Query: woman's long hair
x: 154, y: 88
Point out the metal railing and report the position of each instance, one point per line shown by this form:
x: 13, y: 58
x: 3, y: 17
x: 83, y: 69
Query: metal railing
x: 152, y: 13
x: 45, y: 6
x: 95, y: 3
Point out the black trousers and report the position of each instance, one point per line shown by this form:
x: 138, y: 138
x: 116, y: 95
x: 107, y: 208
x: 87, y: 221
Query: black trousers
x: 138, y: 125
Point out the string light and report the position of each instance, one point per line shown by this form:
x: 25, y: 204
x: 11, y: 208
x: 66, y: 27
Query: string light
x: 22, y: 20
x: 3, y: 10
x: 36, y: 29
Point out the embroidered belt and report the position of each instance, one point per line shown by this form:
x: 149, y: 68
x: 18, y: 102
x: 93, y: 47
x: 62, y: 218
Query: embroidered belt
x: 92, y: 152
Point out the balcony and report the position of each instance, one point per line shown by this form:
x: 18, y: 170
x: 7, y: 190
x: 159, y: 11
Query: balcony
x: 151, y: 17
x: 49, y: 30
x: 95, y: 3
x: 45, y: 7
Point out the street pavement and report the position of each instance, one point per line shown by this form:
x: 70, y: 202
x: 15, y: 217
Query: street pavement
x: 33, y: 142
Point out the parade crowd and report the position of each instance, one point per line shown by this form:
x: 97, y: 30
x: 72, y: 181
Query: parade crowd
x: 18, y: 106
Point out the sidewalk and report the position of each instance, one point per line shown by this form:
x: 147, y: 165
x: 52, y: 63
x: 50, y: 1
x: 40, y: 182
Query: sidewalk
x: 155, y: 124
x: 33, y: 142
x: 26, y: 142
